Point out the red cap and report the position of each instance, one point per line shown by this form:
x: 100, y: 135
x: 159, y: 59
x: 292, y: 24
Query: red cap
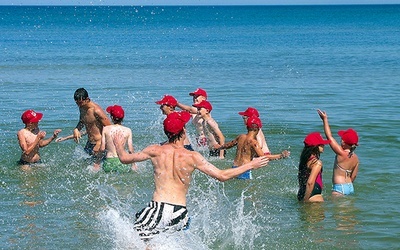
x: 253, y: 122
x: 199, y: 91
x: 315, y: 139
x: 349, y: 136
x: 30, y: 116
x: 204, y: 104
x: 175, y: 122
x: 168, y: 100
x: 250, y: 112
x: 116, y: 111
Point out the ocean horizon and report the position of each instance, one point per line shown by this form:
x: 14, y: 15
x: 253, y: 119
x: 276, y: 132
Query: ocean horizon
x: 286, y: 61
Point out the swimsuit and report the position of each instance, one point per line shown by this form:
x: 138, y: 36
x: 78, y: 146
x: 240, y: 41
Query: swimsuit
x: 303, y: 175
x: 244, y: 176
x: 202, y: 142
x: 22, y: 162
x: 89, y: 147
x: 346, y: 171
x: 215, y: 152
x: 114, y: 165
x: 160, y: 217
x: 188, y: 147
x: 345, y: 188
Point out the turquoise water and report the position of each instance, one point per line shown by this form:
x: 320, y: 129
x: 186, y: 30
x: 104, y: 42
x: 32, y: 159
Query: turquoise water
x: 285, y: 61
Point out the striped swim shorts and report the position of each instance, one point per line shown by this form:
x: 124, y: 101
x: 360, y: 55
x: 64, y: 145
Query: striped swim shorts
x: 160, y: 217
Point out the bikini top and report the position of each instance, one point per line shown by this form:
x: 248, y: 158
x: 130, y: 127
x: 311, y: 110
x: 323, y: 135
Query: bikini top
x: 347, y: 171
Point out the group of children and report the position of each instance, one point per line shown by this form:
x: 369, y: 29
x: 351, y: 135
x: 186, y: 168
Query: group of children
x: 100, y: 130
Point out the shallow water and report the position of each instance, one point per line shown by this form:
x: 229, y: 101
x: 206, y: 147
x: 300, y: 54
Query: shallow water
x: 285, y: 61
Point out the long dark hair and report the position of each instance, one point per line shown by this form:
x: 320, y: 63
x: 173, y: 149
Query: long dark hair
x: 304, y: 173
x: 306, y: 154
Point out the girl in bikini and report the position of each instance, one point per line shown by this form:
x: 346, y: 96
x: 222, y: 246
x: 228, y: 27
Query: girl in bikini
x: 346, y: 163
x: 310, y: 169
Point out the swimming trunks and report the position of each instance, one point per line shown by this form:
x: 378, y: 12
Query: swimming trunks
x: 345, y: 188
x: 114, y: 165
x: 215, y: 152
x: 244, y: 176
x: 22, y: 162
x: 188, y: 147
x: 89, y: 148
x: 201, y: 142
x: 316, y: 190
x: 160, y: 217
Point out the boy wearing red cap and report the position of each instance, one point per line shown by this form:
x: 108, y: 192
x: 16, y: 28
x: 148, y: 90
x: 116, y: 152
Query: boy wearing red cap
x: 345, y: 167
x: 198, y: 95
x: 310, y: 169
x: 247, y: 146
x: 167, y: 106
x: 212, y: 132
x: 31, y: 138
x: 249, y: 112
x: 111, y: 163
x: 173, y: 168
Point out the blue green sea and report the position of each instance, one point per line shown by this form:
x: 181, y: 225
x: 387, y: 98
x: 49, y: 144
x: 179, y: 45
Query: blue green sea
x: 286, y: 61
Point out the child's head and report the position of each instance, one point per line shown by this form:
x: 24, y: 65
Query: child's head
x: 204, y: 104
x: 116, y: 112
x: 253, y: 123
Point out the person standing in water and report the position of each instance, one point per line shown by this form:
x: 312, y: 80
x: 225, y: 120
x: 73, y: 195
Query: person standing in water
x: 249, y: 112
x: 247, y: 146
x: 167, y: 105
x: 213, y: 133
x: 31, y: 138
x: 310, y: 169
x: 111, y: 162
x: 173, y: 168
x: 198, y: 95
x: 94, y: 119
x: 345, y: 167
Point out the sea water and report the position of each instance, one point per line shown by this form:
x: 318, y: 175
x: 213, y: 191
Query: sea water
x: 285, y: 61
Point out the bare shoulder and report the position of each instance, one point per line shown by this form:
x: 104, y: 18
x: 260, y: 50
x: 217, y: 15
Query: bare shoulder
x: 126, y: 129
x: 21, y: 133
x: 314, y: 163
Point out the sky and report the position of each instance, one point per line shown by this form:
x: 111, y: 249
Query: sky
x: 193, y: 2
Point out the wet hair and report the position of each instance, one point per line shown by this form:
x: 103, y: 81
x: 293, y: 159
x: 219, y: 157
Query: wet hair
x: 306, y: 154
x: 117, y: 120
x: 172, y: 137
x: 81, y: 94
x: 352, y: 149
x: 303, y: 172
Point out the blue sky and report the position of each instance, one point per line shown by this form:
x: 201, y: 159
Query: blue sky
x: 192, y: 2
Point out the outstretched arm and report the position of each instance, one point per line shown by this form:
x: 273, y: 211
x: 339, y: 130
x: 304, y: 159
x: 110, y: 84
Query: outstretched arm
x: 284, y: 154
x: 46, y: 142
x: 333, y: 144
x: 225, y: 174
x: 188, y: 108
x: 60, y: 139
x: 125, y: 157
x: 228, y: 144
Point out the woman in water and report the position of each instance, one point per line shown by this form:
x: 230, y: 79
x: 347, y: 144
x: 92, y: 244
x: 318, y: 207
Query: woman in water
x: 310, y: 169
x: 345, y: 167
